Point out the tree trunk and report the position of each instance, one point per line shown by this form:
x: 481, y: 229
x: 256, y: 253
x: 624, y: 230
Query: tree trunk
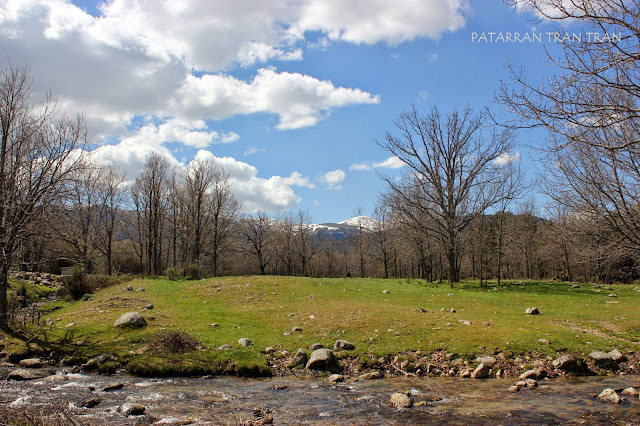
x: 4, y: 286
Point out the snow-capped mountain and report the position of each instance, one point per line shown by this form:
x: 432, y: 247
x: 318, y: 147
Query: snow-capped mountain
x: 364, y: 221
x: 344, y: 229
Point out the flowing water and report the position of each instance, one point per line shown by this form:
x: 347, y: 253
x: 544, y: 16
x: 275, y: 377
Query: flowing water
x: 227, y: 400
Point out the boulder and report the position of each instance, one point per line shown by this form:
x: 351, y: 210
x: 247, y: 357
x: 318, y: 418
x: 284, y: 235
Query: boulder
x: 487, y: 360
x: 565, y: 363
x: 31, y: 363
x: 610, y: 396
x: 605, y: 359
x: 131, y: 409
x: 370, y: 376
x: 335, y: 378
x: 245, y: 342
x: 343, y: 345
x: 128, y: 288
x: 400, y: 401
x: 28, y: 374
x: 481, y: 371
x: 130, y: 319
x: 297, y: 329
x: 532, y: 311
x: 385, y: 291
x: 631, y: 392
x: 90, y: 403
x: 300, y: 358
x: 321, y: 359
x: 269, y: 350
x: 113, y: 387
x: 96, y: 361
x: 224, y: 347
x: 536, y: 374
x: 316, y: 346
x: 616, y: 355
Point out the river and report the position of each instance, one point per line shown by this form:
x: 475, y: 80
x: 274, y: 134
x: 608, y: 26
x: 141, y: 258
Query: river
x: 228, y: 400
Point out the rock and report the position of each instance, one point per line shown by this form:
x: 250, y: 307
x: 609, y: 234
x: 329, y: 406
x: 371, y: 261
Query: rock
x: 616, y: 355
x: 335, y: 378
x: 343, y: 345
x: 279, y: 386
x: 90, y: 403
x: 297, y: 329
x: 385, y: 291
x: 131, y: 409
x: 113, y: 387
x: 537, y: 374
x: 321, y: 359
x: 300, y: 358
x: 544, y: 341
x: 565, y: 363
x: 603, y: 359
x: 575, y: 286
x: 31, y: 363
x: 528, y: 383
x: 487, y: 360
x: 466, y: 373
x: 514, y: 388
x: 130, y: 319
x: 316, y: 346
x: 128, y: 288
x: 370, y: 376
x: 214, y: 325
x: 612, y: 295
x: 96, y: 361
x: 400, y: 401
x: 532, y: 311
x: 481, y: 371
x: 464, y: 322
x: 148, y: 306
x: 224, y: 347
x: 631, y: 392
x: 141, y: 289
x: 28, y: 374
x: 452, y: 310
x: 609, y: 395
x: 269, y: 350
x: 245, y: 342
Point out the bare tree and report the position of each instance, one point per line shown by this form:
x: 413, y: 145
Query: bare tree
x: 149, y: 195
x: 111, y: 193
x: 39, y: 150
x: 258, y: 233
x: 224, y: 209
x: 381, y: 241
x: 304, y: 243
x: 452, y: 173
x: 597, y: 83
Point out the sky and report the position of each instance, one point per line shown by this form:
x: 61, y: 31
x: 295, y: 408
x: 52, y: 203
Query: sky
x: 288, y: 97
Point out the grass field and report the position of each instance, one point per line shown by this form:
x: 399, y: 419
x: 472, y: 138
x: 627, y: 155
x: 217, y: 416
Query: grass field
x: 413, y: 315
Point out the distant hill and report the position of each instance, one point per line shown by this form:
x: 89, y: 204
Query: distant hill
x: 344, y: 229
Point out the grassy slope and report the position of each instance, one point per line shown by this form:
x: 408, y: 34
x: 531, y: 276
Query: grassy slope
x: 575, y: 320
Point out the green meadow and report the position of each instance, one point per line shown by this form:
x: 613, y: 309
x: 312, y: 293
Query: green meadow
x: 413, y: 315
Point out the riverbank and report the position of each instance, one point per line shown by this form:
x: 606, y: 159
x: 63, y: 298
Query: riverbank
x: 397, y: 327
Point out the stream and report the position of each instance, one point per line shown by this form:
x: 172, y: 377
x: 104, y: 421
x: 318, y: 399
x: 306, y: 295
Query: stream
x: 230, y: 400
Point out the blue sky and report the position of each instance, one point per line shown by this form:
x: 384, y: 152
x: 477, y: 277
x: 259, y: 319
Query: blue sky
x: 287, y: 99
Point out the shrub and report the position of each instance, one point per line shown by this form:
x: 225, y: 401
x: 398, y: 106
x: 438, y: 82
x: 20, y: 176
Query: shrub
x: 192, y: 271
x: 173, y: 274
x: 77, y: 284
x: 172, y: 342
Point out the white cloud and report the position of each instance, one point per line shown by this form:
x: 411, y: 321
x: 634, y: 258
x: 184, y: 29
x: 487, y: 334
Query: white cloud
x: 190, y: 133
x: 299, y: 100
x: 392, y: 162
x: 506, y: 158
x: 273, y: 194
x: 374, y: 21
x: 253, y: 150
x: 333, y: 178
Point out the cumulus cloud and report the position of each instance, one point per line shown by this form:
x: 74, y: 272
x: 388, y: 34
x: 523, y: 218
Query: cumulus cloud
x: 333, y: 178
x: 506, y: 158
x: 191, y: 133
x: 392, y: 162
x: 299, y: 100
x: 273, y: 194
